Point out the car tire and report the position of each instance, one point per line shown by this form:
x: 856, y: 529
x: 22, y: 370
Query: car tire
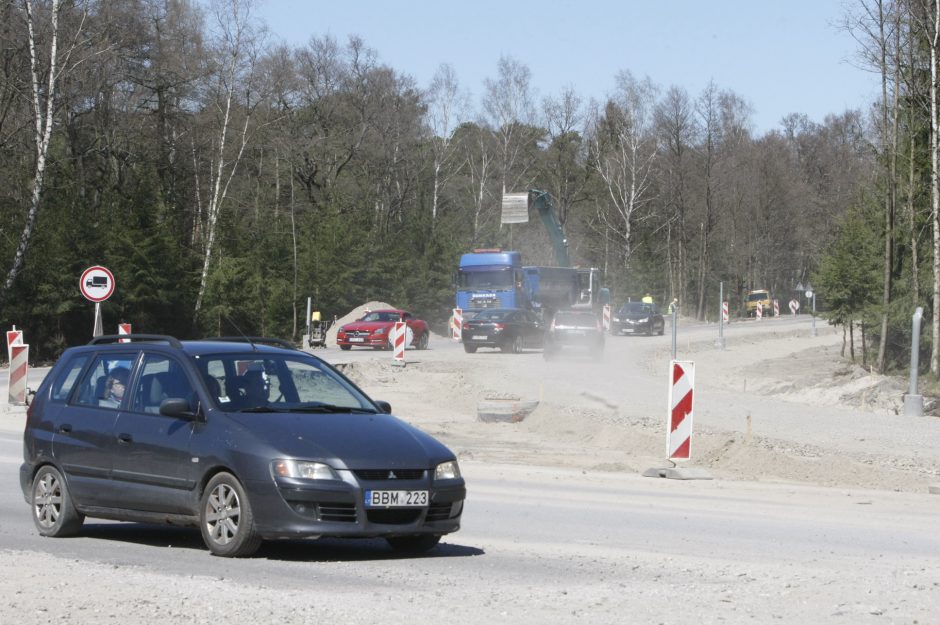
x: 54, y: 512
x: 470, y: 349
x: 345, y: 348
x: 662, y: 329
x: 423, y: 341
x: 414, y: 544
x: 226, y: 520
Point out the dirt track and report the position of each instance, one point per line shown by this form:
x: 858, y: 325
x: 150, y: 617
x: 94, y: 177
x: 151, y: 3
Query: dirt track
x: 775, y: 404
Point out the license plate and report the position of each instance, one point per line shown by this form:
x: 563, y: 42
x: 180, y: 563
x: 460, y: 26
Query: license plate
x: 356, y: 339
x: 396, y: 498
x: 477, y: 337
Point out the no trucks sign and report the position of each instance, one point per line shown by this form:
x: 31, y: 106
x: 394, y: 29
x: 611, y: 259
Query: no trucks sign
x: 96, y: 284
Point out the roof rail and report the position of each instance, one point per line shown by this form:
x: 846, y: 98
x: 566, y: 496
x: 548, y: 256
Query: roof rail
x: 264, y: 340
x: 140, y: 338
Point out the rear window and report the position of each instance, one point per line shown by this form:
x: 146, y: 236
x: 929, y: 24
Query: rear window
x: 575, y: 319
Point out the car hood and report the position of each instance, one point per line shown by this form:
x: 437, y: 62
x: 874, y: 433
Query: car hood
x: 366, y: 326
x: 347, y: 440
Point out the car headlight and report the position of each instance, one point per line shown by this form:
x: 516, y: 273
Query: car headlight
x: 304, y: 470
x: 616, y: 319
x: 381, y: 331
x: 447, y: 471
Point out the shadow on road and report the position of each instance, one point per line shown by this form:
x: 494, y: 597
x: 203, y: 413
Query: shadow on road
x: 312, y: 550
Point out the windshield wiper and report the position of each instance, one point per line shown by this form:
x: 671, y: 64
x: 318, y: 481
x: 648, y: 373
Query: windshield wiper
x: 320, y: 407
x: 261, y: 409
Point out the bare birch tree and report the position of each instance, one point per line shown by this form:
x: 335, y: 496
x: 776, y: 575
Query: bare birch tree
x: 509, y: 109
x: 624, y: 150
x: 43, y: 105
x: 447, y: 106
x: 238, y: 52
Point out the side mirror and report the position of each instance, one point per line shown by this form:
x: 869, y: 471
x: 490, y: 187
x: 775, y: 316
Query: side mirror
x: 384, y: 406
x: 177, y: 407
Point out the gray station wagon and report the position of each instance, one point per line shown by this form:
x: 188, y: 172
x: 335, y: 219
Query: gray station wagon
x: 245, y: 439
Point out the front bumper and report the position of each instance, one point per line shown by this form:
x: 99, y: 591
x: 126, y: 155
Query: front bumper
x: 380, y: 340
x: 630, y: 327
x: 294, y: 509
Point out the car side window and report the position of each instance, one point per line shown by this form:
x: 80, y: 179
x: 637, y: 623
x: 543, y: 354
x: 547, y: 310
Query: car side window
x: 105, y: 381
x: 64, y: 383
x: 160, y: 378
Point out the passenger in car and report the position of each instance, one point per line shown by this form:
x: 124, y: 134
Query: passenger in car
x: 256, y: 388
x: 114, y: 388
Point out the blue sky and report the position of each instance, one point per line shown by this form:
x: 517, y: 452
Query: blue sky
x: 782, y: 56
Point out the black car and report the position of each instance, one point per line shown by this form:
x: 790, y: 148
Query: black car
x: 509, y: 329
x: 574, y: 329
x: 638, y: 318
x: 246, y: 440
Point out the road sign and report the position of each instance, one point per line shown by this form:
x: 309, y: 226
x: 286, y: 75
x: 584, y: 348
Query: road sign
x: 724, y: 312
x: 96, y: 284
x: 794, y: 306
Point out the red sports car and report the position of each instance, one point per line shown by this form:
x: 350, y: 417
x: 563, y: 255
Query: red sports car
x: 375, y: 328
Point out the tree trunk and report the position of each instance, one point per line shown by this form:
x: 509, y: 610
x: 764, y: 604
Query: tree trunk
x: 42, y: 136
x: 935, y: 196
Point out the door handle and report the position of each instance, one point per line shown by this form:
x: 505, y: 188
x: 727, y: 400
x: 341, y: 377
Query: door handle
x: 65, y: 428
x: 125, y: 439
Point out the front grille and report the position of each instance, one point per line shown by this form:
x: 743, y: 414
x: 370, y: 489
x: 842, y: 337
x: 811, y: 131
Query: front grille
x: 378, y: 475
x: 394, y: 516
x: 358, y: 333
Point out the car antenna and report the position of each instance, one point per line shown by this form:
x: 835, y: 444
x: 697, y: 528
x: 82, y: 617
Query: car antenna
x: 254, y: 347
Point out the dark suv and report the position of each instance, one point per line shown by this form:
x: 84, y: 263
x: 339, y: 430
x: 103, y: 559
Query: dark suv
x: 244, y: 439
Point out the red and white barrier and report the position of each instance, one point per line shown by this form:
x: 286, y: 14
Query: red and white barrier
x: 776, y: 308
x: 759, y: 310
x: 681, y: 385
x: 724, y: 312
x: 399, y: 334
x: 124, y: 328
x: 456, y: 324
x: 606, y: 317
x: 18, y: 354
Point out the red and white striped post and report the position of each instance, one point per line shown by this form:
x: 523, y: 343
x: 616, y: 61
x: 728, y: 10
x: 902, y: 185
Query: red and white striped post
x: 679, y: 435
x: 759, y: 310
x: 725, y: 317
x: 776, y: 308
x: 606, y: 317
x: 124, y: 328
x: 398, y: 341
x: 18, y: 354
x: 456, y: 324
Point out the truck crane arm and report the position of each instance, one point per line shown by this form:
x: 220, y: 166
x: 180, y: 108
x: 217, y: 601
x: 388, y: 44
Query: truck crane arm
x: 543, y: 202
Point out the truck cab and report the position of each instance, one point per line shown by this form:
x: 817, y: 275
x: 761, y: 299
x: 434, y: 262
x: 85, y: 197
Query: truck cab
x: 759, y: 296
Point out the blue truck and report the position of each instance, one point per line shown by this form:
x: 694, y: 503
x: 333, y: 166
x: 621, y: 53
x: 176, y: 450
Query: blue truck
x: 497, y: 279
x: 492, y: 278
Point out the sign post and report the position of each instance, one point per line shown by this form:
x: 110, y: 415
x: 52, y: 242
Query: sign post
x: 97, y: 285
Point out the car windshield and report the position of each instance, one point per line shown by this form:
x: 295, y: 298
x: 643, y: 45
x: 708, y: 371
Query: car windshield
x: 758, y: 297
x: 636, y: 307
x: 252, y: 382
x: 382, y: 315
x: 485, y: 279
